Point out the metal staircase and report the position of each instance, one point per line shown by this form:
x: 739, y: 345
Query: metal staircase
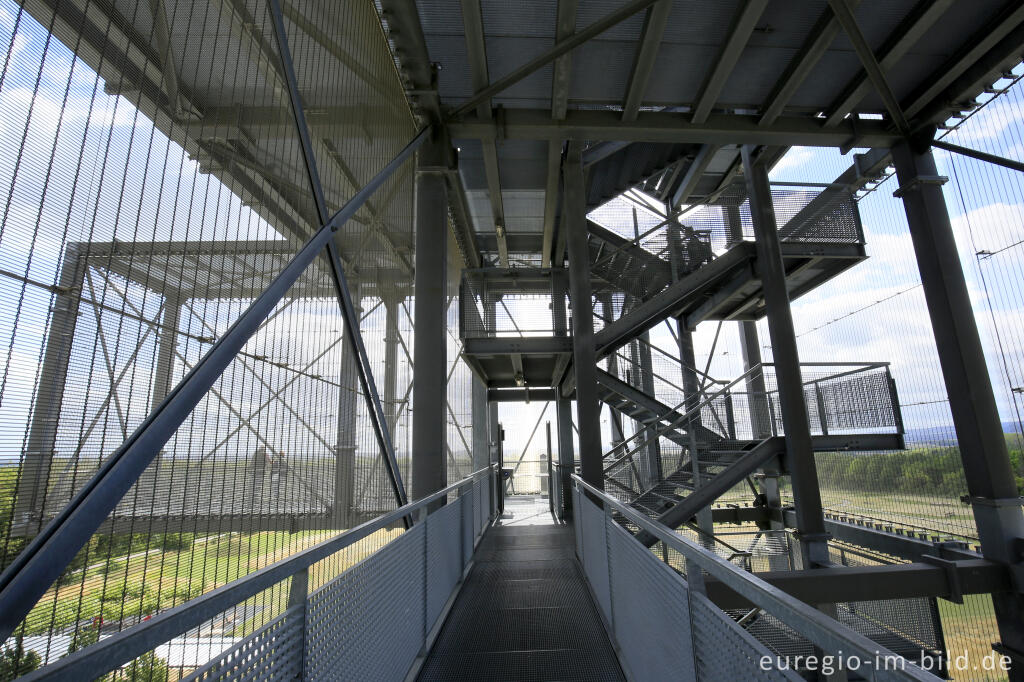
x: 623, y: 167
x: 709, y: 449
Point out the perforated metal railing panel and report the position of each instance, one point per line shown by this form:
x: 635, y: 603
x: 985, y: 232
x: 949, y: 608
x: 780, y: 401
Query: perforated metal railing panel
x: 724, y: 651
x: 369, y: 622
x: 273, y: 652
x: 524, y: 614
x: 444, y: 556
x: 663, y: 630
x: 641, y: 587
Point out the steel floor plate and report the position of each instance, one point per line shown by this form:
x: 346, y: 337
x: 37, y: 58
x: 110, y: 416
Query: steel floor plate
x: 524, y: 613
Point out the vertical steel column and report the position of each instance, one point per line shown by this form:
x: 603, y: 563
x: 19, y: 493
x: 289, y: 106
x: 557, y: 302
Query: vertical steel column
x: 584, y: 356
x: 566, y: 457
x: 391, y: 341
x: 348, y: 422
x: 495, y: 436
x: 640, y: 354
x: 614, y: 416
x: 49, y: 397
x: 563, y: 405
x: 750, y: 347
x: 167, y: 340
x: 430, y: 354
x: 799, y: 448
x: 688, y: 370
x: 481, y: 451
x: 990, y: 480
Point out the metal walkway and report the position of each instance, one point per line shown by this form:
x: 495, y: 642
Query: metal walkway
x: 524, y: 612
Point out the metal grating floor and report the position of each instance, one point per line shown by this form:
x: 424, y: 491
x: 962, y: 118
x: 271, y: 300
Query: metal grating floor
x: 523, y: 614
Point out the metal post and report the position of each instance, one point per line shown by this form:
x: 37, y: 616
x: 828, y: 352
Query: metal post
x: 640, y: 353
x: 584, y: 357
x: 167, y: 339
x: 750, y: 347
x: 481, y: 453
x: 614, y: 416
x: 688, y: 367
x: 990, y: 480
x: 546, y: 488
x: 391, y: 342
x: 347, y: 441
x: 566, y: 458
x: 799, y: 449
x: 429, y: 390
x: 42, y: 436
x: 298, y: 596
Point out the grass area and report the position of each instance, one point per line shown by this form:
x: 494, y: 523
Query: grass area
x: 970, y: 629
x: 146, y: 582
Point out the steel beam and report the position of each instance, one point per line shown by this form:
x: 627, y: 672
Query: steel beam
x: 875, y: 72
x: 821, y: 37
x: 1007, y: 24
x: 476, y: 52
x: 429, y: 471
x: 560, y: 48
x: 693, y: 175
x: 330, y: 253
x: 990, y: 480
x: 980, y: 155
x: 33, y: 481
x: 799, y: 449
x: 727, y: 58
x: 672, y: 127
x: 560, y: 81
x: 905, y: 36
x: 584, y: 357
x: 655, y: 22
x: 838, y: 584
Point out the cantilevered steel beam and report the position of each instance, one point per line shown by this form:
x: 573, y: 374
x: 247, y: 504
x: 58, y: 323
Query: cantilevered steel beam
x: 473, y: 25
x: 994, y: 47
x: 693, y: 175
x: 906, y: 35
x: 162, y: 35
x: 875, y: 72
x: 560, y: 48
x: 739, y: 34
x: 672, y: 127
x: 560, y: 77
x: 822, y: 35
x: 836, y: 584
x: 650, y: 40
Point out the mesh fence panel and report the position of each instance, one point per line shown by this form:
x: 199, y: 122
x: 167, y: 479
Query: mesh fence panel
x: 158, y: 188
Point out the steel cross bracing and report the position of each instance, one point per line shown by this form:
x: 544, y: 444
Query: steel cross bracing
x: 35, y: 569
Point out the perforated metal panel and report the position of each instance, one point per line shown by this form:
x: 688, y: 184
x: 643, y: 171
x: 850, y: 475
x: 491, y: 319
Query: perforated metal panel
x: 273, y: 652
x: 368, y: 624
x: 595, y: 554
x: 724, y: 651
x: 444, y: 556
x: 652, y: 611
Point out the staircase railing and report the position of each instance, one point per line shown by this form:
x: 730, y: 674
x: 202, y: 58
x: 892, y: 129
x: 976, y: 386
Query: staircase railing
x: 423, y: 564
x: 841, y: 398
x: 642, y: 597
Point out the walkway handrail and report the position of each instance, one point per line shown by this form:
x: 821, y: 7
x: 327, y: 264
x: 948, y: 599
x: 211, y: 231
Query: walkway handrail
x: 826, y: 633
x: 658, y: 429
x: 112, y: 652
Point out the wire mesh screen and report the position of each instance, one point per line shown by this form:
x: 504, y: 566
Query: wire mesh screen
x: 159, y: 186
